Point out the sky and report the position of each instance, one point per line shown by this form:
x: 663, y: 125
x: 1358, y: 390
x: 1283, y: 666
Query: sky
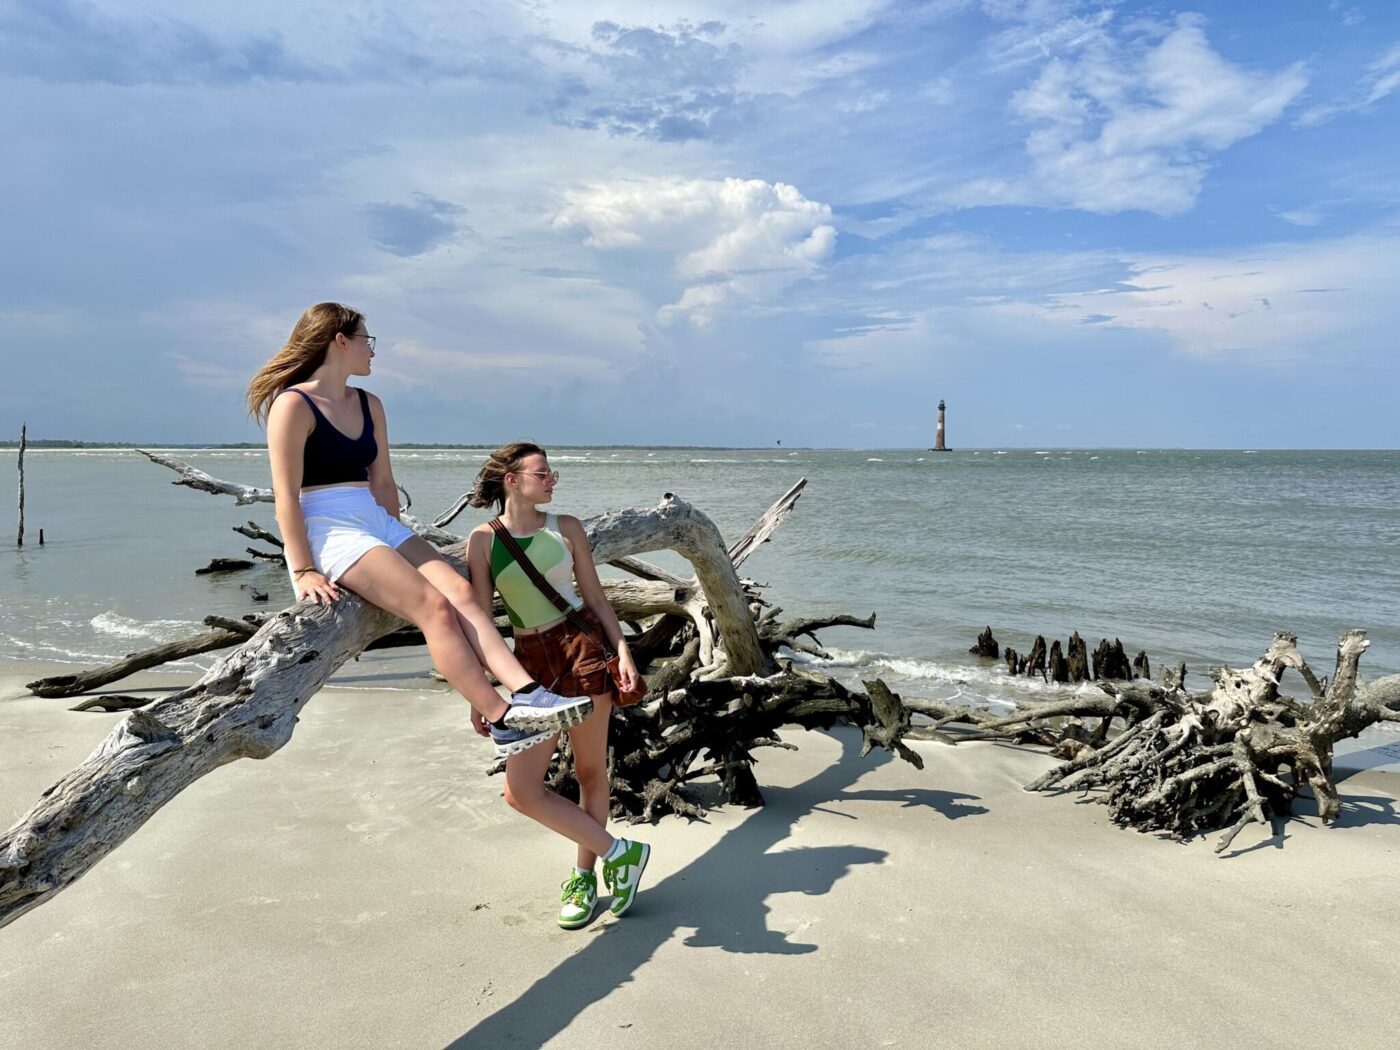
x: 710, y: 221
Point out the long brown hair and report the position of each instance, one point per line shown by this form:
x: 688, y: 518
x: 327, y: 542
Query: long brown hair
x: 490, y: 484
x: 302, y: 353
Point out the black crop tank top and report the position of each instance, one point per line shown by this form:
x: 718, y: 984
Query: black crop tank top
x: 331, y: 458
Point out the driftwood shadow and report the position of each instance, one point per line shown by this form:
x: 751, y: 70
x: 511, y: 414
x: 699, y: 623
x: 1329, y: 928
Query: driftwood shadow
x: 721, y: 895
x: 952, y: 805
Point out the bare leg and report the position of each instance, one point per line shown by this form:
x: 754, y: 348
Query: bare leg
x: 526, y: 793
x: 475, y: 621
x: 590, y: 744
x: 385, y: 579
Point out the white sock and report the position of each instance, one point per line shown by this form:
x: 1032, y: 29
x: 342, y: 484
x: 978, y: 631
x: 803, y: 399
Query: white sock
x: 582, y: 871
x: 615, y: 851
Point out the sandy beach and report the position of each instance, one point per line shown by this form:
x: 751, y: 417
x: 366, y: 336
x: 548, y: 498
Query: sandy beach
x: 367, y: 886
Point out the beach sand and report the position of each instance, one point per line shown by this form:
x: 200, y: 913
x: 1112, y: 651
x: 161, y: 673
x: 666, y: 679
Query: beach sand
x: 367, y: 887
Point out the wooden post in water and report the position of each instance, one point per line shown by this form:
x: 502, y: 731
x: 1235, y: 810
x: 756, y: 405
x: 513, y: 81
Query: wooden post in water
x: 23, y: 430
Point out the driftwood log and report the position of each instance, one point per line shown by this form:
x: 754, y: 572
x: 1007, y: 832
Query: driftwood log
x: 1184, y: 763
x: 721, y: 696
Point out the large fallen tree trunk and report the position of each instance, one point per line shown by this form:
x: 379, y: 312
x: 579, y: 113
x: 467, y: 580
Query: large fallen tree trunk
x: 1220, y: 760
x: 247, y: 705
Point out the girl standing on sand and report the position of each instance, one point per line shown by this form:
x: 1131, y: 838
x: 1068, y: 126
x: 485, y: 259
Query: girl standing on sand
x: 337, y: 506
x: 517, y: 479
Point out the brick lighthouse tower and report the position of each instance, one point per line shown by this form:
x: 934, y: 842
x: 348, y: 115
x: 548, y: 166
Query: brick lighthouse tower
x: 938, y: 442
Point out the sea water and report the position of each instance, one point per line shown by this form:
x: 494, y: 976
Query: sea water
x: 1195, y: 556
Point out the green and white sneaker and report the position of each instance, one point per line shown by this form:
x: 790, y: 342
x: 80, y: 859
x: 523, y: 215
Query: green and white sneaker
x: 623, y: 875
x: 580, y: 897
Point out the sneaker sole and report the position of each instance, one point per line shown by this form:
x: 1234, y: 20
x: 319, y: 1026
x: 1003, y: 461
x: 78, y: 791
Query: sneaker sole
x: 637, y: 883
x: 578, y: 923
x: 530, y: 720
x: 515, y: 747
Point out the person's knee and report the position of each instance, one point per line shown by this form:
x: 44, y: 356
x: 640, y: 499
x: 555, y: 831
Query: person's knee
x: 521, y: 801
x: 435, y: 612
x: 457, y: 590
x: 591, y: 775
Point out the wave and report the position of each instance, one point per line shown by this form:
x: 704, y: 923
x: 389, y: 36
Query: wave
x: 51, y: 653
x: 974, y: 685
x: 111, y: 622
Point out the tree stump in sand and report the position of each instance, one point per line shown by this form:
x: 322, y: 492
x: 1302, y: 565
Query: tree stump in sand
x: 1111, y: 662
x: 1035, y: 662
x: 986, y: 646
x: 1078, y: 659
x: 1059, y: 668
x: 1142, y: 668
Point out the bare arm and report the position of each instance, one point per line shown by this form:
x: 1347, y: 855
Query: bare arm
x: 479, y: 562
x: 381, y: 475
x: 590, y: 588
x: 289, y: 424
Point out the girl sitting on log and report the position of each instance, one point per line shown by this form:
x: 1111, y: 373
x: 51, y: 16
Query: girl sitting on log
x: 517, y: 479
x: 337, y: 506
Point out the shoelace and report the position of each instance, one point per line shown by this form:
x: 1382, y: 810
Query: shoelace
x: 575, y: 888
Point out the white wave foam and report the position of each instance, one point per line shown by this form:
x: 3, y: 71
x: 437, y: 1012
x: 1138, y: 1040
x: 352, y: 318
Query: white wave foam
x: 874, y: 459
x: 111, y: 622
x: 990, y: 685
x: 53, y: 653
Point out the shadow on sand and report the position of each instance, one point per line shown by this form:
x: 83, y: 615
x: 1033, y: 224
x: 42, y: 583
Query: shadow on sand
x: 721, y: 895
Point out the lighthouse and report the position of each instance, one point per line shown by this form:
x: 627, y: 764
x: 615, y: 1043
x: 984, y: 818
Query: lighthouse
x: 939, y: 444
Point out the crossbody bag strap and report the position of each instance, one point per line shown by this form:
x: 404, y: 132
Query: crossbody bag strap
x: 544, y: 586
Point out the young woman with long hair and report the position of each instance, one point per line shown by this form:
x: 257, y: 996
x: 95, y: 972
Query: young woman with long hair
x: 517, y: 479
x: 337, y: 506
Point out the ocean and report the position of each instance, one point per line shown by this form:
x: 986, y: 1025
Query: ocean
x: 1195, y: 556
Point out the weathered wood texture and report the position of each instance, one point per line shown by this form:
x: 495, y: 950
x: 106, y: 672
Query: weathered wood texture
x: 1187, y: 763
x: 986, y: 646
x: 247, y: 705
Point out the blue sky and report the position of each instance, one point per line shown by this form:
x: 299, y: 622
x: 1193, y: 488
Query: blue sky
x: 712, y: 222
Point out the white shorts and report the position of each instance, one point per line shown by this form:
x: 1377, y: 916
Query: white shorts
x: 343, y: 524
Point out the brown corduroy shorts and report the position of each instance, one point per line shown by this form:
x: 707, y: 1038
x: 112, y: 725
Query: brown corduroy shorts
x: 565, y: 659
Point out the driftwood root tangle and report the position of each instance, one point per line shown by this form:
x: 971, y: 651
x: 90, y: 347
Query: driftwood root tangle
x: 1221, y: 760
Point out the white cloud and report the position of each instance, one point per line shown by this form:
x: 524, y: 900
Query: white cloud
x: 730, y: 240
x: 1291, y: 302
x: 951, y: 306
x: 1123, y: 125
x: 1379, y: 81
x: 863, y: 103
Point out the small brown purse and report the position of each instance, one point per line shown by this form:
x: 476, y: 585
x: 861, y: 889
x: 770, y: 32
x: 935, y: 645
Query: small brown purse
x: 621, y: 697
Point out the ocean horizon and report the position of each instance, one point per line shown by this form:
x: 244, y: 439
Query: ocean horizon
x: 1190, y: 555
